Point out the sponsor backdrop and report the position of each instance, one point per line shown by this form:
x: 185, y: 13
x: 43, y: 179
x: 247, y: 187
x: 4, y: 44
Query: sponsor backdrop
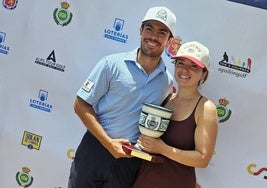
x: 47, y: 49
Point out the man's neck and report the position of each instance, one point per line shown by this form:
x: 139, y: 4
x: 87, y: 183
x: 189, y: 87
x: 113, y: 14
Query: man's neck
x: 148, y: 63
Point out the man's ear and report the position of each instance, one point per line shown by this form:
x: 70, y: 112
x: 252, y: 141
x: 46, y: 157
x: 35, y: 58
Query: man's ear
x: 140, y: 31
x: 169, y: 41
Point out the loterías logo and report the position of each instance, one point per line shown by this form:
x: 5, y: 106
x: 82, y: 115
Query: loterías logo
x: 41, y: 103
x: 116, y: 33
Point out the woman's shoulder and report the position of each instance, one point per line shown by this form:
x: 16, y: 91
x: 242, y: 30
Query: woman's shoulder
x: 206, y: 109
x: 207, y: 103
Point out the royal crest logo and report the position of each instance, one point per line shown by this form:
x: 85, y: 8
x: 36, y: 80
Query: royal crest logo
x: 237, y: 67
x: 41, y: 103
x: 24, y: 179
x: 116, y: 34
x: 173, y: 46
x: 32, y: 141
x: 3, y: 48
x: 10, y: 4
x: 222, y: 111
x: 62, y: 16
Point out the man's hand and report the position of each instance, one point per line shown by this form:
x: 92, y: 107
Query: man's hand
x: 115, y: 148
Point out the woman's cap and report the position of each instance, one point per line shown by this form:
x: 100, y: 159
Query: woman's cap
x: 196, y: 52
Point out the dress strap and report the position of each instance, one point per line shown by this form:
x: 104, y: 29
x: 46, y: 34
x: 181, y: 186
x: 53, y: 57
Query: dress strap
x: 166, y: 100
x: 197, y: 103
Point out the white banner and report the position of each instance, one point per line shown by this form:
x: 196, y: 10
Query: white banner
x: 47, y: 49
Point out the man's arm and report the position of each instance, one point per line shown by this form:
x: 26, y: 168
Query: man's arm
x: 87, y: 115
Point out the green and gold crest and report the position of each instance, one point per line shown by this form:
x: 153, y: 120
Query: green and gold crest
x: 223, y: 112
x: 63, y: 16
x: 23, y: 178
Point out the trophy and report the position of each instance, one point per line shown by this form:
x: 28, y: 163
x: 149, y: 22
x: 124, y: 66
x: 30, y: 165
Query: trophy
x: 153, y: 122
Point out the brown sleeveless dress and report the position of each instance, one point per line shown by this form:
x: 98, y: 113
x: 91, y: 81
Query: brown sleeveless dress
x: 171, y: 174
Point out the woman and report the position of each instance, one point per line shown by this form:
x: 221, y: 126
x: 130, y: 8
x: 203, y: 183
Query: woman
x: 190, y: 139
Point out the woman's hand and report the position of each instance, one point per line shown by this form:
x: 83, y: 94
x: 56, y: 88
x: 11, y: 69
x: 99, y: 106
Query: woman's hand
x: 150, y: 145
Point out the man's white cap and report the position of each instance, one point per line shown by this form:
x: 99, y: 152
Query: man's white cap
x: 163, y: 15
x: 196, y: 52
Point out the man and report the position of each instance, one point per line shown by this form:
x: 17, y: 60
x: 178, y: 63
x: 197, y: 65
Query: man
x: 110, y: 101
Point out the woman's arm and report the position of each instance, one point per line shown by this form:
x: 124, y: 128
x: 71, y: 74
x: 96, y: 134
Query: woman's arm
x: 205, y: 139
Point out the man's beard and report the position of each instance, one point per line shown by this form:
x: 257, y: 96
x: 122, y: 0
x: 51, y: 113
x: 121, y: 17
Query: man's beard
x: 149, y: 53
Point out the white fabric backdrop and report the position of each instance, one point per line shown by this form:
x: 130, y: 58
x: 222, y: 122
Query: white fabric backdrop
x: 29, y: 32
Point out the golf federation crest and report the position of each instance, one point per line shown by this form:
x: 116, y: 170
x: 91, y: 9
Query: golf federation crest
x: 63, y: 16
x: 23, y: 178
x: 223, y: 112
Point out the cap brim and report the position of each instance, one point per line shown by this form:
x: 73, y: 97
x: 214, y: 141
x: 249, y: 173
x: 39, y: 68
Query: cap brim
x: 195, y: 60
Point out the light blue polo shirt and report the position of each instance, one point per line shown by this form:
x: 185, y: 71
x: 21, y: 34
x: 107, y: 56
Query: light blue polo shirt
x: 117, y: 88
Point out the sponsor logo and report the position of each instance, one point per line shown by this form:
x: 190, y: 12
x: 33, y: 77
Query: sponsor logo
x: 222, y: 111
x: 173, y: 46
x: 10, y: 4
x: 116, y: 33
x: 24, y: 179
x: 235, y: 66
x: 62, y: 16
x: 3, y: 48
x: 50, y: 62
x: 31, y: 140
x: 71, y: 153
x: 88, y: 84
x: 41, y: 103
x: 257, y: 172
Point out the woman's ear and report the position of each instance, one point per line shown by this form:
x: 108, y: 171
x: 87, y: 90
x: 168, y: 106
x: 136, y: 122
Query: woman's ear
x: 204, y: 76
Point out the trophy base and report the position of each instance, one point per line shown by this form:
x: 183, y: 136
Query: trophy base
x: 131, y: 150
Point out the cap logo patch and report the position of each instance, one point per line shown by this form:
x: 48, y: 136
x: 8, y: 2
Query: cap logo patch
x: 162, y: 14
x: 190, y: 50
x: 193, y: 49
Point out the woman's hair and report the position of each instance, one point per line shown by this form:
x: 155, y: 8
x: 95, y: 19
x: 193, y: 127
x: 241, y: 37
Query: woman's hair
x: 206, y: 77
